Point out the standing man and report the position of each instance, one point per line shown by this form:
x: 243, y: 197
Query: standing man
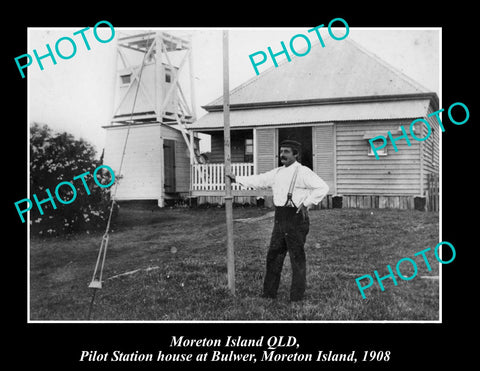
x: 295, y: 188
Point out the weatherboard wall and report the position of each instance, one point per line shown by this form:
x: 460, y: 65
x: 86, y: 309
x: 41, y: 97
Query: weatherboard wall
x: 237, y: 145
x: 141, y: 174
x: 142, y: 169
x: 430, y: 148
x: 357, y: 173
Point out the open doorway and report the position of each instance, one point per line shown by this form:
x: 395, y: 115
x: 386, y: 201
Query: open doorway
x: 302, y: 135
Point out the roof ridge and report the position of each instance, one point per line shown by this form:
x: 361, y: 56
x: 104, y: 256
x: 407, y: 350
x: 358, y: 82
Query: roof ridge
x: 390, y: 67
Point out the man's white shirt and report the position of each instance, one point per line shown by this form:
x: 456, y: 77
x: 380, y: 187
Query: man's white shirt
x: 309, y: 187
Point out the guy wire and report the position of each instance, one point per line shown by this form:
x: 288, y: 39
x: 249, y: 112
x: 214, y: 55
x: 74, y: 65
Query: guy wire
x: 104, y: 244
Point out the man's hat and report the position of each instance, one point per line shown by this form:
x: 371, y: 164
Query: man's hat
x: 292, y: 144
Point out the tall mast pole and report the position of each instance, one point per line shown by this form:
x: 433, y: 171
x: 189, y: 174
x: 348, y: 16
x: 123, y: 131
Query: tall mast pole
x: 228, y: 185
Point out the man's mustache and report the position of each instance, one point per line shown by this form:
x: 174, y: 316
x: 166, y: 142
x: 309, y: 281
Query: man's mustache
x: 282, y: 158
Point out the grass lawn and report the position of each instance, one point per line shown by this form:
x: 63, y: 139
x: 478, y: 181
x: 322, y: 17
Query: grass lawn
x: 185, y: 251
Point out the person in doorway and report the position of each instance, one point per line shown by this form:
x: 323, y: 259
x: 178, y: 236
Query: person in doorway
x: 296, y: 189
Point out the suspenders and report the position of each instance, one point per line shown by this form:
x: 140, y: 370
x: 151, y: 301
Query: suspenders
x: 289, y: 201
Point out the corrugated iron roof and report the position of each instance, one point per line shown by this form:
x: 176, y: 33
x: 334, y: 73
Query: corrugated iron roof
x: 339, y: 70
x: 315, y: 114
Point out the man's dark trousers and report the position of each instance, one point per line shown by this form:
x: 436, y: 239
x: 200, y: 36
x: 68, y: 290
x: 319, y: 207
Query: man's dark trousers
x: 289, y: 234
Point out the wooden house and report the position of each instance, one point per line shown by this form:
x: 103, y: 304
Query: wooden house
x: 147, y: 144
x: 332, y: 101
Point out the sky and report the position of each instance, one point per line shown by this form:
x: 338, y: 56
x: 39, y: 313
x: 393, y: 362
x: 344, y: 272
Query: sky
x: 77, y: 94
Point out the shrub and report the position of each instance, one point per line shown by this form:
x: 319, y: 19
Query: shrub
x: 58, y: 157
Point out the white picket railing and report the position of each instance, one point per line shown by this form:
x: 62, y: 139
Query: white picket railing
x: 210, y: 177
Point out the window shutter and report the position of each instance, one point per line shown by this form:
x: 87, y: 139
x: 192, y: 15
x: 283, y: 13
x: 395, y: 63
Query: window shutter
x: 324, y: 150
x: 266, y: 150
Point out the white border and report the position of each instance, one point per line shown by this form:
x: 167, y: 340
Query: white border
x: 439, y: 321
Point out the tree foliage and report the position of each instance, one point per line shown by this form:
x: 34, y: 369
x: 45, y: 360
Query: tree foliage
x: 59, y: 157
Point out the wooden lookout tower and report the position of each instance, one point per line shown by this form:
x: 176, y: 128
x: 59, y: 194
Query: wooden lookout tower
x: 147, y: 143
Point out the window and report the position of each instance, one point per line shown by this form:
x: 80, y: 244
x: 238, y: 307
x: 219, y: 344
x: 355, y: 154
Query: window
x: 380, y: 151
x: 372, y: 134
x: 248, y: 150
x: 126, y: 78
x: 168, y: 76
